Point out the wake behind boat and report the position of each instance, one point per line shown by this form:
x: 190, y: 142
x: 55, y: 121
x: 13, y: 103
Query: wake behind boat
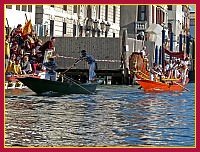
x: 42, y: 86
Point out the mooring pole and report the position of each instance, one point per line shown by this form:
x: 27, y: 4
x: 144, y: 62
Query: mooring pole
x: 125, y: 68
x: 171, y: 43
x: 180, y: 42
x: 156, y: 55
x: 163, y: 52
x: 188, y: 45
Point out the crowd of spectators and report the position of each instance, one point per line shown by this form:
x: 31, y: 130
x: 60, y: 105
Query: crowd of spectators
x: 22, y: 54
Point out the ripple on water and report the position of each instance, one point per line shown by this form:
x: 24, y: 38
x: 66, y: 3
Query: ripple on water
x: 115, y: 116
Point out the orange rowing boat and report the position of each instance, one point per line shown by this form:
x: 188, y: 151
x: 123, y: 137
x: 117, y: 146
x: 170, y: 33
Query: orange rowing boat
x: 152, y: 86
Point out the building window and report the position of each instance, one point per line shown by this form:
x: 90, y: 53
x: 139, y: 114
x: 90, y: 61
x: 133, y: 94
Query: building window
x: 169, y: 7
x: 106, y: 13
x: 99, y: 12
x: 114, y: 14
x: 64, y: 28
x: 74, y: 30
x: 75, y: 8
x: 89, y: 11
x: 152, y: 14
x: 40, y: 30
x: 80, y: 31
x: 98, y: 33
x: 51, y: 27
x: 18, y: 7
x: 24, y: 7
x: 163, y: 17
x: 9, y: 6
x: 142, y: 13
x: 113, y: 34
x: 65, y: 7
x: 45, y: 30
x: 157, y: 16
x: 29, y: 8
x: 169, y: 28
x: 79, y: 9
x: 192, y: 22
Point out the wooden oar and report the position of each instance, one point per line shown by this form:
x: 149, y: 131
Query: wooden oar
x: 71, y: 66
x: 73, y: 81
x: 182, y: 86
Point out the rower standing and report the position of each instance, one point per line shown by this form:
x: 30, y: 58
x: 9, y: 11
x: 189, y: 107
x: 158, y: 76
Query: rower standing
x: 48, y: 49
x: 91, y: 61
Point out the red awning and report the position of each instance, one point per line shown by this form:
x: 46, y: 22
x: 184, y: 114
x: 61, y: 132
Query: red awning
x: 180, y: 55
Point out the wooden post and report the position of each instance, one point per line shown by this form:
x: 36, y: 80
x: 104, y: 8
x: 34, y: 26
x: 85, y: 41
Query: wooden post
x: 180, y: 42
x: 125, y: 68
x: 188, y: 45
x: 160, y: 55
x: 156, y: 55
x: 163, y: 53
x: 171, y: 44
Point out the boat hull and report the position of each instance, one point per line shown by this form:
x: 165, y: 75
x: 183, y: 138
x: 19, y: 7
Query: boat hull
x: 42, y: 86
x: 152, y: 86
x: 12, y: 82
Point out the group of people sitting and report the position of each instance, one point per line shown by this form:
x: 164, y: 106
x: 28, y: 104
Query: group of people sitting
x: 21, y: 52
x: 25, y: 54
x: 174, y: 69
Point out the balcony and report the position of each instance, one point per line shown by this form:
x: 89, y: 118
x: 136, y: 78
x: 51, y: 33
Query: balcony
x: 140, y: 26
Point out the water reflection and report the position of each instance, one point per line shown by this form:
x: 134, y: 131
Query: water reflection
x: 116, y: 116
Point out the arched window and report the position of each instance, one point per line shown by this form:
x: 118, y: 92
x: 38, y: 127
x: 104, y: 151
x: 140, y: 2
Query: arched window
x: 89, y: 11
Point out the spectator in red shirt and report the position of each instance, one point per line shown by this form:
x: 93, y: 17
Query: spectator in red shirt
x: 48, y: 45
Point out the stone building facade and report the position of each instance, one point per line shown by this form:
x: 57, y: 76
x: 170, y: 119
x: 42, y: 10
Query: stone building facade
x: 144, y: 22
x: 79, y: 20
x: 18, y: 14
x: 68, y: 20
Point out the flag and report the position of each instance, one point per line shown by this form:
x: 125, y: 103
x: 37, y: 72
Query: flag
x: 27, y: 28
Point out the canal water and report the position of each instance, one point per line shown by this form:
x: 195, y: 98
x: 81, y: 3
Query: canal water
x: 117, y: 115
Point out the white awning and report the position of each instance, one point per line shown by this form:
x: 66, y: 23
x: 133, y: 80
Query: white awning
x: 155, y: 33
x: 155, y: 28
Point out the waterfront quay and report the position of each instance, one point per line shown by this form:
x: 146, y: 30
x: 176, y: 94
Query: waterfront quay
x: 111, y: 54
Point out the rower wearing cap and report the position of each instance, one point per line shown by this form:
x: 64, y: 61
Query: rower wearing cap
x: 50, y: 66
